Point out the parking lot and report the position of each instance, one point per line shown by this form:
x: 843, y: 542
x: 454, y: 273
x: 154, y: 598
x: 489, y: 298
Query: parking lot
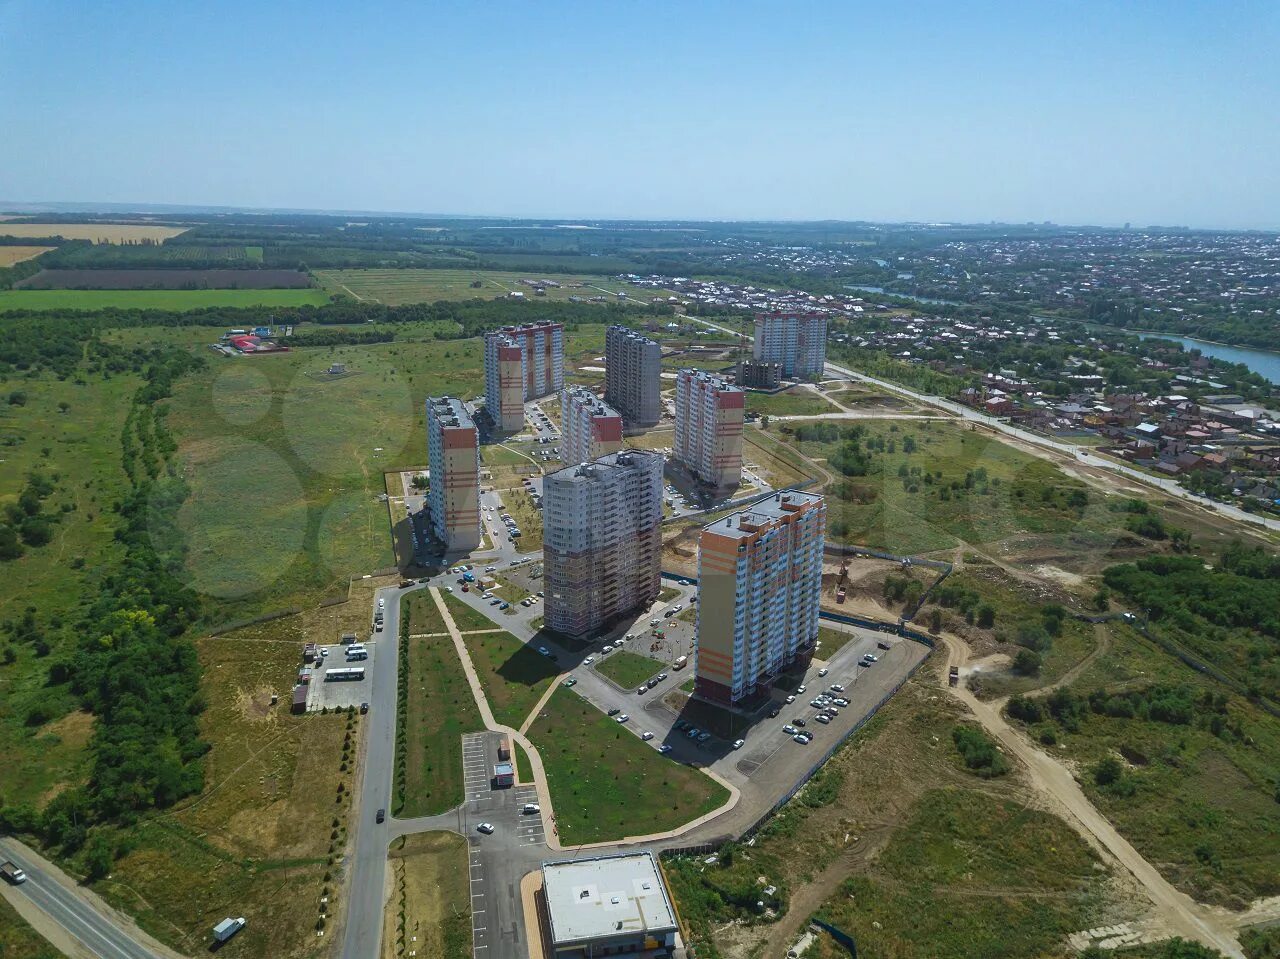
x: 339, y: 694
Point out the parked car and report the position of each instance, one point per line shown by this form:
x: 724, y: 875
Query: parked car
x: 570, y: 682
x: 703, y: 737
x: 739, y: 743
x: 798, y: 722
x: 790, y: 700
x: 789, y: 729
x: 773, y: 712
x: 883, y: 645
x: 614, y: 711
x: 802, y: 740
x: 621, y: 718
x: 646, y: 735
x: 823, y: 671
x: 530, y: 807
x: 364, y: 707
x: 837, y: 688
x: 823, y: 718
x: 664, y: 748
x: 588, y: 661
x: 486, y: 828
x: 801, y: 688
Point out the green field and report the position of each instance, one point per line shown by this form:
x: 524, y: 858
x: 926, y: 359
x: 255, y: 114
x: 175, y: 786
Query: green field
x: 154, y: 299
x: 514, y: 675
x: 466, y: 618
x: 628, y: 669
x: 440, y: 708
x: 793, y: 402
x: 397, y: 287
x: 606, y: 783
x: 18, y: 940
x: 954, y: 485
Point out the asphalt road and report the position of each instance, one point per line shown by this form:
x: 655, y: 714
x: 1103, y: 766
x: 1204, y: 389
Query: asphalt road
x: 95, y: 931
x: 365, y: 891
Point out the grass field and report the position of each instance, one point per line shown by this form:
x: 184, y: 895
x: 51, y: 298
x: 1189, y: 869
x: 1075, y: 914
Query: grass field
x: 439, y: 709
x: 628, y: 669
x: 265, y: 819
x: 606, y: 784
x: 9, y: 255
x: 1202, y: 805
x: 793, y: 402
x: 81, y: 447
x: 959, y: 485
x: 154, y: 299
x: 957, y: 843
x: 97, y: 232
x: 18, y: 940
x: 466, y: 618
x: 429, y: 912
x: 513, y: 674
x: 920, y: 830
x: 396, y: 287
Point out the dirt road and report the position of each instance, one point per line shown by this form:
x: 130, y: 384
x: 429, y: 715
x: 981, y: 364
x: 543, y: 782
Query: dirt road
x: 1176, y: 911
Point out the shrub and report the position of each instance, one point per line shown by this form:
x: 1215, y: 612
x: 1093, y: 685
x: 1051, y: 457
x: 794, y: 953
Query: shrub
x: 979, y: 753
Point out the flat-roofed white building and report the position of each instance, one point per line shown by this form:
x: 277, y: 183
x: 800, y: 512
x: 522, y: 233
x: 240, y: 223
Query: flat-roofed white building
x: 608, y: 906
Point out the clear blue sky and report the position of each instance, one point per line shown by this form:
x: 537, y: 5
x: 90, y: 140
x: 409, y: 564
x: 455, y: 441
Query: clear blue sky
x: 1078, y: 112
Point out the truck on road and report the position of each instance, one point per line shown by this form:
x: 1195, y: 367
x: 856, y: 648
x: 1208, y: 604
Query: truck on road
x: 12, y: 873
x: 227, y: 928
x: 953, y: 677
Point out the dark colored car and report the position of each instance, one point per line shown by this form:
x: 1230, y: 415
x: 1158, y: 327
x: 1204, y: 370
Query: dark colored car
x: 364, y: 707
x: 773, y: 713
x: 382, y: 815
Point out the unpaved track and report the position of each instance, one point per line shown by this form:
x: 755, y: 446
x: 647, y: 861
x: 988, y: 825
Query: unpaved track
x: 1178, y: 912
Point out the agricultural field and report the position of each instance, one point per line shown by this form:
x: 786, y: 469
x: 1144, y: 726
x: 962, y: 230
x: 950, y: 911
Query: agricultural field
x: 96, y: 232
x: 606, y: 783
x: 165, y: 280
x: 154, y: 299
x: 438, y: 710
x: 9, y: 255
x: 628, y: 669
x: 429, y: 912
x: 276, y: 790
x: 514, y: 675
x: 397, y: 287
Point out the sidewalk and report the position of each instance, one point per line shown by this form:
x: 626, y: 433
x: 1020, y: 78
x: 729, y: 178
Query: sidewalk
x: 535, y: 759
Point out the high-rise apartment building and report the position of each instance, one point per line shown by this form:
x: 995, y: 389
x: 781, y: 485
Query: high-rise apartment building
x: 601, y: 540
x: 521, y: 363
x: 453, y: 498
x: 796, y: 340
x: 633, y: 376
x: 708, y: 438
x: 589, y: 427
x: 759, y: 589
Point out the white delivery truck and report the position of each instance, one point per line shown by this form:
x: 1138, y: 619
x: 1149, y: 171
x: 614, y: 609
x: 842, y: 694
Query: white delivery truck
x: 227, y: 928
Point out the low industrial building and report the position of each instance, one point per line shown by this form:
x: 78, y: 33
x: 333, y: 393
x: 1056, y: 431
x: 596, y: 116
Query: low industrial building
x: 607, y: 906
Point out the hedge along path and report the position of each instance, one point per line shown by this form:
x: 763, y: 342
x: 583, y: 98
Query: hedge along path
x: 535, y: 758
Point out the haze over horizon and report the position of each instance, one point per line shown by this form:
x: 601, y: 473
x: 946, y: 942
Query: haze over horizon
x: 1090, y: 115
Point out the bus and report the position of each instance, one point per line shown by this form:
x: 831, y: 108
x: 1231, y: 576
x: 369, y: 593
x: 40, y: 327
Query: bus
x: 344, y: 674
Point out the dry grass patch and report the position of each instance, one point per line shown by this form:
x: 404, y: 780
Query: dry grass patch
x: 429, y: 912
x: 9, y: 255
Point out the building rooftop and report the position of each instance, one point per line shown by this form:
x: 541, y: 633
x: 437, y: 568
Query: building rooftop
x: 745, y: 522
x: 597, y: 406
x: 449, y: 410
x: 583, y: 472
x: 714, y: 380
x: 632, y: 334
x: 590, y: 899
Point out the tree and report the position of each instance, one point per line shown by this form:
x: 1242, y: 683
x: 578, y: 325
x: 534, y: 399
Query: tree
x: 1026, y: 663
x: 17, y: 398
x: 99, y: 854
x: 986, y: 616
x: 1107, y: 771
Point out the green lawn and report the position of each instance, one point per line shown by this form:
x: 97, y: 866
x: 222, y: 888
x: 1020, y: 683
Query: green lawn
x: 514, y: 675
x: 440, y: 708
x: 793, y: 402
x: 628, y: 669
x: 466, y: 618
x: 154, y: 299
x: 606, y: 783
x: 833, y: 640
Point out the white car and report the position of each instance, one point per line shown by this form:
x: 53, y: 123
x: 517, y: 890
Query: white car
x: 646, y: 735
x: 621, y: 718
x: 381, y: 602
x: 790, y: 700
x: 664, y: 748
x: 790, y: 730
x: 607, y: 649
x: 486, y: 828
x: 588, y: 661
x: 823, y: 671
x: 739, y: 743
x: 801, y: 688
x: 490, y: 569
x: 837, y: 688
x: 802, y: 740
x: 530, y: 808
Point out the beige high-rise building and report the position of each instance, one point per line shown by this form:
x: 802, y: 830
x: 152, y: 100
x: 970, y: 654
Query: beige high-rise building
x: 601, y: 540
x: 759, y: 591
x: 796, y: 340
x: 589, y: 427
x: 521, y: 363
x: 453, y: 498
x: 708, y: 437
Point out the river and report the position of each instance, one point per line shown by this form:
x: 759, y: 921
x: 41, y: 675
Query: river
x: 1263, y: 362
x: 906, y: 296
